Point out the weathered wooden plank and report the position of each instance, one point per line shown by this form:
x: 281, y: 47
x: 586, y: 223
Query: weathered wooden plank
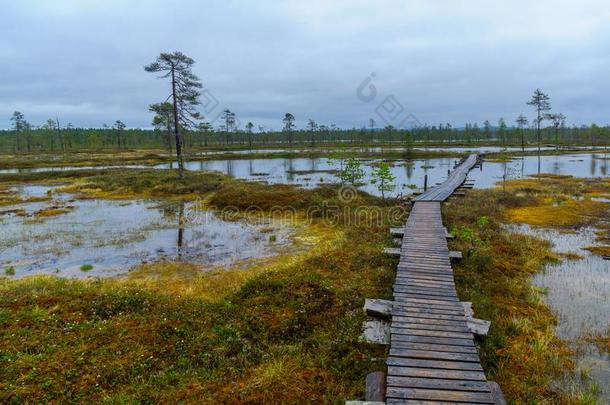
x: 392, y: 251
x: 434, y: 355
x: 425, y: 332
x: 419, y: 289
x: 425, y: 283
x: 425, y: 315
x: 405, y: 282
x: 433, y: 340
x: 454, y: 254
x: 440, y: 384
x: 445, y: 295
x: 375, y: 386
x: 440, y: 395
x: 442, y: 270
x: 414, y: 249
x: 426, y: 255
x: 397, y: 344
x: 426, y: 326
x: 423, y: 308
x: 398, y: 371
x: 400, y: 305
x: 438, y: 301
x: 439, y: 277
x: 496, y: 393
x: 418, y: 302
x: 442, y: 364
x: 435, y: 274
x: 431, y: 320
x: 397, y: 231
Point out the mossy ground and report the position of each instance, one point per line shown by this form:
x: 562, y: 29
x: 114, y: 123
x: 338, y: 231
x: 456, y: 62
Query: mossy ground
x: 521, y: 352
x: 562, y: 202
x: 280, y: 330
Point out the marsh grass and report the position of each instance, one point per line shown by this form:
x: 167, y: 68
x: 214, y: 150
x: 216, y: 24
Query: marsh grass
x: 53, y: 210
x: 137, y: 183
x: 599, y: 250
x: 155, y: 156
x: 281, y: 330
x: 521, y: 352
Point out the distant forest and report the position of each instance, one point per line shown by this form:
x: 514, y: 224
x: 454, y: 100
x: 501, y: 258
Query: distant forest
x: 52, y: 138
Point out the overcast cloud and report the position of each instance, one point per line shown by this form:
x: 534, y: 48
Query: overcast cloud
x: 443, y: 60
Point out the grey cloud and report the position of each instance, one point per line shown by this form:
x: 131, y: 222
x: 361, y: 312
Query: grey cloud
x: 455, y: 62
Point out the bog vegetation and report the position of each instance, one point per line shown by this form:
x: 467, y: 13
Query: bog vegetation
x: 284, y: 328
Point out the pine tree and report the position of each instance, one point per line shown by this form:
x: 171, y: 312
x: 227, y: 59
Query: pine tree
x: 184, y: 94
x: 541, y: 103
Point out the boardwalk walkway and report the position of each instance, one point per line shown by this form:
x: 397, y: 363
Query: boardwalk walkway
x: 432, y: 358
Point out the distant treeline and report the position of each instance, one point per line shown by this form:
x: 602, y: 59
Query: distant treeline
x: 57, y: 140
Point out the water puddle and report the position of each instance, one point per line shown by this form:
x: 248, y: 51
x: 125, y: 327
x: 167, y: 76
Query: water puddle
x: 578, y: 291
x: 113, y: 236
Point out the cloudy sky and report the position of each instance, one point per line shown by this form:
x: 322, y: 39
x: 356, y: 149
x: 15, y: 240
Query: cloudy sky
x: 339, y: 61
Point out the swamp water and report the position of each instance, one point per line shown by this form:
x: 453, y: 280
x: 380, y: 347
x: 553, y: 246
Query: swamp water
x: 113, y: 236
x: 578, y: 292
x: 410, y: 174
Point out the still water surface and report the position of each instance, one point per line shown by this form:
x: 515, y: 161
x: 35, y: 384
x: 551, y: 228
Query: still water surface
x: 578, y: 291
x: 113, y: 236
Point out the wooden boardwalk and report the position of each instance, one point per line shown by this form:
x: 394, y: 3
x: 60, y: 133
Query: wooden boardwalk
x: 433, y: 358
x: 455, y: 179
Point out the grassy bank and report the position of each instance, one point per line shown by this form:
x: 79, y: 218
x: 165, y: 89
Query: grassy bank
x: 152, y: 157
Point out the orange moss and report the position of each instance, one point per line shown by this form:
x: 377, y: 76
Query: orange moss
x: 566, y: 214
